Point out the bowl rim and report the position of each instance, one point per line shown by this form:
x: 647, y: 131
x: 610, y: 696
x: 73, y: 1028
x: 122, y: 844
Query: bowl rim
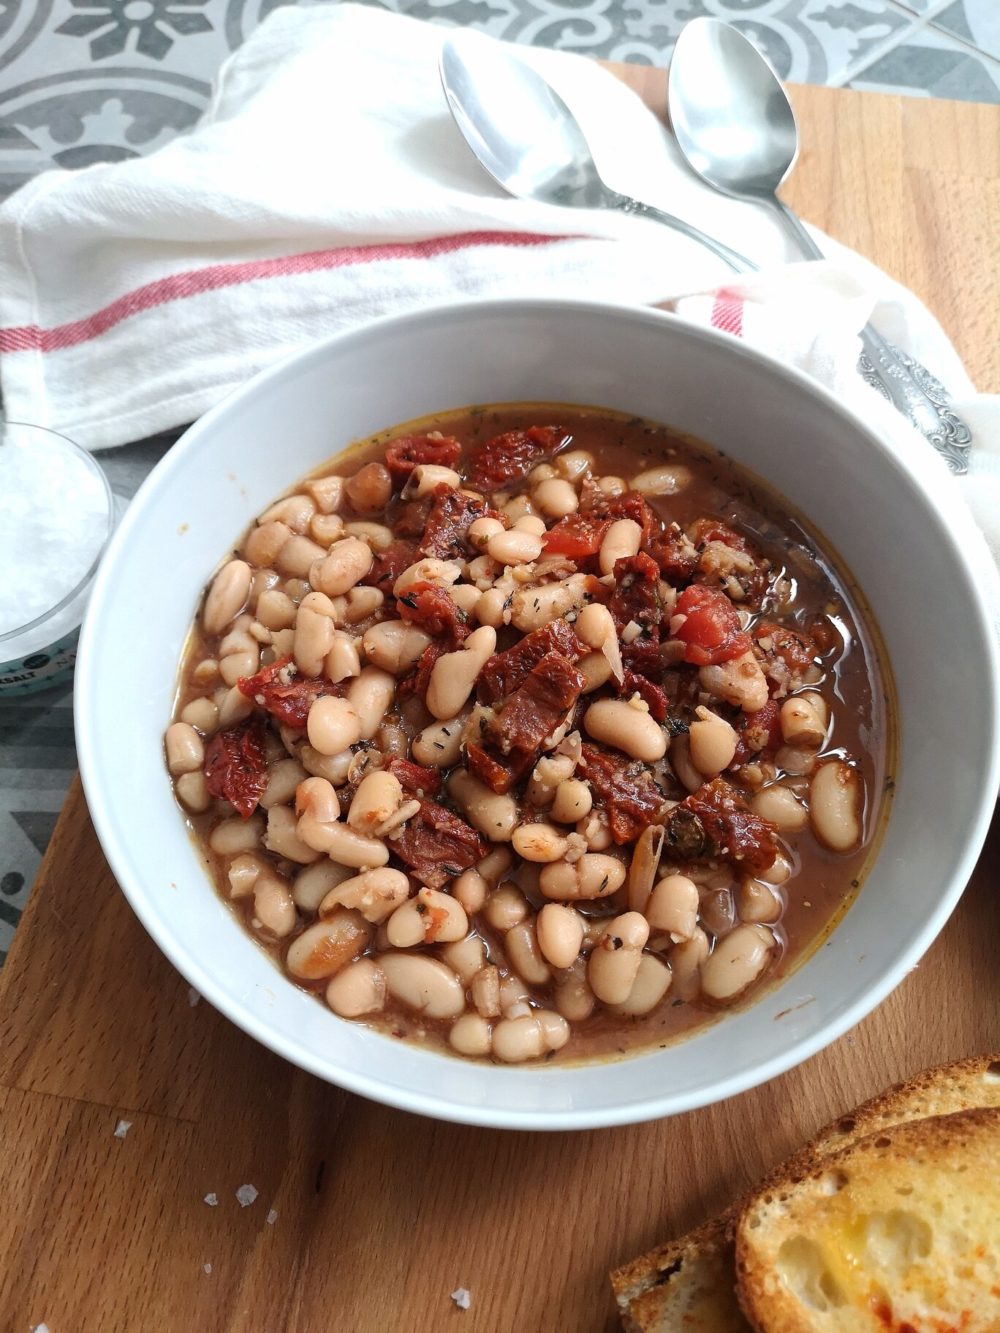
x: 924, y: 470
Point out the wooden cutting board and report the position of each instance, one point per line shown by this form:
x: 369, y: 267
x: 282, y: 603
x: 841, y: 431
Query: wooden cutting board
x: 366, y: 1218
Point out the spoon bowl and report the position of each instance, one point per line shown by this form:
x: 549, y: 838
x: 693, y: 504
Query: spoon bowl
x: 729, y: 112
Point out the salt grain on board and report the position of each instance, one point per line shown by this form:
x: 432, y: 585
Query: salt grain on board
x: 246, y: 1195
x: 193, y: 996
x: 207, y: 1268
x: 40, y: 1328
x: 53, y: 510
x: 272, y: 1217
x: 462, y: 1297
x: 122, y: 1128
x: 212, y: 1200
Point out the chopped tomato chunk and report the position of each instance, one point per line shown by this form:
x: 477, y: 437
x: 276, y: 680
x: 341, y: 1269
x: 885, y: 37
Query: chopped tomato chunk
x: 284, y: 694
x: 404, y: 454
x: 577, y: 536
x: 508, y: 457
x: 430, y: 607
x: 711, y: 632
x: 235, y: 765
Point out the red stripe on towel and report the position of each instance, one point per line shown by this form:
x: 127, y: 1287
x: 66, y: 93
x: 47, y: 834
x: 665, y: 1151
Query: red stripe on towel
x: 193, y: 283
x: 727, y: 312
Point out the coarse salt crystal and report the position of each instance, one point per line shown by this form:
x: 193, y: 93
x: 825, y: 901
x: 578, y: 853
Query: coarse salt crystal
x: 193, y: 996
x: 53, y: 510
x: 462, y: 1297
x: 246, y: 1195
x: 122, y: 1128
x: 207, y: 1268
x: 40, y: 1328
x: 212, y: 1200
x: 272, y: 1217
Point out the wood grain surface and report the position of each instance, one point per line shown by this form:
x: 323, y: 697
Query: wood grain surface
x: 380, y: 1215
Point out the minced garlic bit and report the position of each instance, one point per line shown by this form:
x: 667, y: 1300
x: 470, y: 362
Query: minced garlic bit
x: 246, y: 1195
x: 462, y: 1297
x: 212, y: 1200
x: 122, y: 1128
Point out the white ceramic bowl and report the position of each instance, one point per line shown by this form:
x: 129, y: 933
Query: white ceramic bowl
x: 892, y: 518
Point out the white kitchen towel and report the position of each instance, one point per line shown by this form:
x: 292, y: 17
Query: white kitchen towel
x: 326, y: 184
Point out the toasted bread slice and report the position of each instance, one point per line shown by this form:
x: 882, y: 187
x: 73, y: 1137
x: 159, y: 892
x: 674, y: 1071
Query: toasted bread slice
x: 686, y: 1284
x: 652, y: 1292
x: 899, y: 1230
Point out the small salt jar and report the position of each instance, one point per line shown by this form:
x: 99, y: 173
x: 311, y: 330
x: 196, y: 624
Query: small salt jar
x: 56, y: 515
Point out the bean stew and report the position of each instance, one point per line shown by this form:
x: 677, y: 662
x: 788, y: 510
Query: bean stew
x: 527, y: 730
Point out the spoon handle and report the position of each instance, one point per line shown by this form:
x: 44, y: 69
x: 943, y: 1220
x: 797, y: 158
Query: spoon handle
x: 908, y: 385
x: 737, y: 262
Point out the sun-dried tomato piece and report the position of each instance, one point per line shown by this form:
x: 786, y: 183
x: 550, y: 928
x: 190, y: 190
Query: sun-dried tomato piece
x: 577, y: 536
x: 645, y: 659
x: 280, y: 691
x: 421, y: 678
x: 758, y: 732
x: 415, y: 779
x: 624, y: 787
x: 408, y: 518
x: 435, y: 612
x: 715, y: 821
x: 652, y: 695
x: 387, y: 565
x: 508, y: 457
x: 507, y: 671
x: 437, y: 845
x: 711, y: 632
x: 636, y: 595
x: 403, y: 455
x: 795, y: 648
x: 531, y: 714
x: 235, y: 765
x: 631, y: 504
x: 451, y: 515
x: 498, y: 771
x: 676, y: 555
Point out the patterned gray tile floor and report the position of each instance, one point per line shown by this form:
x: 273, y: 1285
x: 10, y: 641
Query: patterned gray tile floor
x: 83, y: 81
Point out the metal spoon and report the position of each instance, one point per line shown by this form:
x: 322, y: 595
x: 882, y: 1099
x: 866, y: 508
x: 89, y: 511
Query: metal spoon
x: 736, y: 128
x: 527, y: 138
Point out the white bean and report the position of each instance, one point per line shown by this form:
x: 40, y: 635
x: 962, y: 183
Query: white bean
x: 326, y: 947
x: 454, y: 674
x: 505, y: 907
x: 514, y: 547
x: 440, y: 744
x: 652, y: 981
x: 592, y: 876
x: 312, y: 884
x: 295, y: 511
x: 358, y: 989
x: 283, y: 837
x: 493, y: 815
x: 495, y: 864
x: 757, y: 901
x: 531, y: 608
x: 273, y: 908
x: 595, y: 670
x: 685, y: 964
x: 431, y: 917
x: 573, y: 997
x: 470, y: 1035
x: 464, y: 957
x: 737, y: 960
x: 804, y: 720
x: 673, y: 907
x: 427, y: 477
x: 680, y: 762
x: 470, y: 889
x: 326, y: 492
x: 378, y: 796
x: 394, y: 645
x: 573, y: 801
x: 283, y: 779
x: 423, y: 984
x: 376, y: 535
x: 376, y: 894
x: 345, y: 566
x: 621, y: 540
x: 192, y: 792
x: 233, y: 836
x: 333, y: 725
x: 314, y: 633
x: 528, y: 1037
x: 539, y: 842
x: 556, y: 497
x: 185, y: 749
x: 712, y: 743
x: 298, y: 556
x: 243, y: 873
x: 484, y: 988
x: 739, y: 682
x: 627, y: 727
x: 429, y: 570
x: 836, y: 797
x: 370, y: 694
x: 522, y: 949
x: 560, y: 934
x: 614, y: 960
x: 531, y: 523
x: 227, y: 596
x: 574, y: 464
x: 666, y: 480
x: 780, y: 806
